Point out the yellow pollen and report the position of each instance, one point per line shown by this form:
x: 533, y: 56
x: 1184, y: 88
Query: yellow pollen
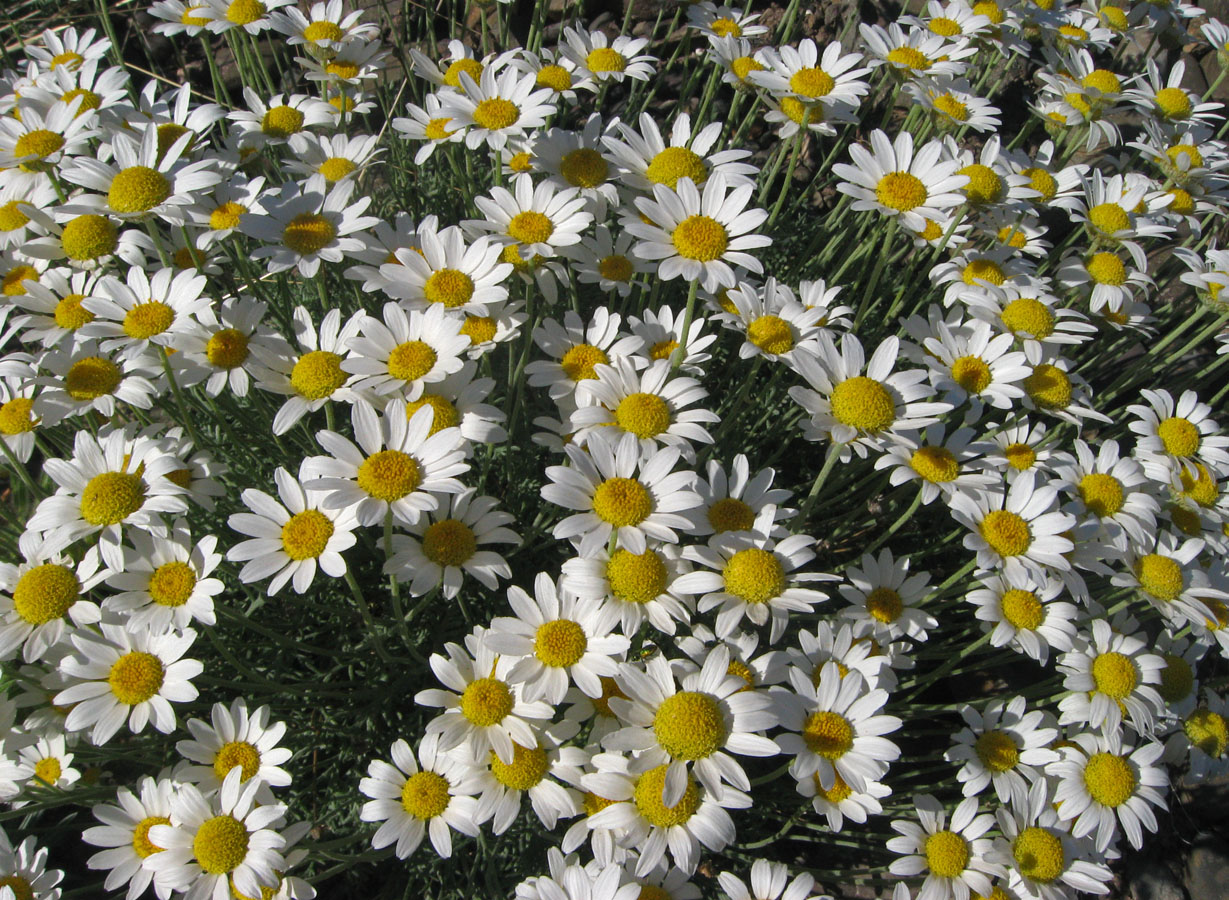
x: 991, y: 10
x: 644, y: 415
x: 305, y: 535
x: 11, y: 216
x: 1077, y: 100
x: 619, y: 268
x: 1207, y: 731
x: 444, y: 414
x: 935, y: 464
x: 1183, y: 203
x: 828, y: 734
x: 1039, y: 854
x: 909, y: 58
x: 1109, y: 218
x: 1074, y: 33
x: 308, y: 233
x: 1202, y: 489
x: 950, y: 106
x: 744, y: 66
x: 838, y: 792
x: 145, y: 320
x: 741, y: 670
x: 602, y: 704
x: 984, y: 187
x: 1102, y: 80
x: 317, y: 374
x: 593, y: 804
x: 1113, y: 17
x: 168, y: 134
x: 604, y: 59
x: 437, y: 129
x: 754, y: 575
x: 1160, y: 576
x: 1178, y: 152
x: 579, y: 361
x: 884, y: 605
x: 479, y: 329
x: 673, y: 163
x: 389, y: 475
x: 1102, y: 494
x: 947, y: 854
x: 811, y: 83
x: 982, y: 270
x: 1114, y: 674
x: 141, y: 844
x: 496, y: 113
x: 972, y: 374
x: 111, y: 497
x: 997, y: 751
x: 138, y: 189
x: 324, y: 30
x: 932, y: 232
x: 244, y: 12
x: 900, y: 191
x: 700, y: 238
x: 730, y: 514
x: 171, y: 584
x: 14, y: 280
x: 648, y: 792
x: 1179, y: 436
x: 560, y: 643
x: 584, y: 168
x: 1042, y: 182
x: 470, y: 67
x: 1173, y: 103
x: 724, y: 27
x: 690, y: 725
x: 1177, y: 679
x: 1005, y: 532
x: 91, y: 378
x: 227, y: 348
x: 336, y: 168
x: 449, y: 287
x: 449, y: 542
x: 89, y: 237
x: 282, y: 121
x: 636, y: 578
x: 486, y: 701
x: 412, y: 360
x: 1110, y: 779
x: 39, y: 143
x: 863, y: 403
x: 1049, y: 387
x: 531, y: 227
x: 236, y: 753
x: 135, y: 677
x: 557, y: 78
x: 623, y: 502
x: 772, y: 334
x: 943, y: 26
x: 16, y: 416
x: 527, y: 769
x: 1022, y: 609
x: 89, y: 100
x: 425, y: 795
x: 1028, y: 316
x: 45, y: 593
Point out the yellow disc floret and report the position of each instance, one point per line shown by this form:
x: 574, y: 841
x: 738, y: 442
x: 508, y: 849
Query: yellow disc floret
x: 1109, y: 218
x: 1160, y: 576
x: 1110, y: 779
x: 828, y: 734
x: 1114, y: 674
x: 811, y: 82
x: 89, y: 237
x: 135, y: 677
x: 947, y: 854
x: 530, y: 227
x: 1049, y: 387
x: 305, y: 535
x: 730, y: 514
x: 579, y: 361
x: 412, y: 360
x: 1028, y: 316
x: 636, y: 578
x: 111, y: 497
x: 308, y: 233
x: 172, y: 583
x: 1208, y: 731
x: 900, y: 191
x: 972, y: 374
x: 997, y: 751
x: 227, y: 348
x: 673, y: 163
x: 984, y: 187
x: 45, y: 593
x: 560, y: 643
x: 584, y: 168
x: 1106, y: 268
x: 644, y: 415
x: 1179, y: 436
x: 1039, y: 854
x: 1102, y: 494
x: 138, y: 189
x: 772, y: 334
x: 425, y: 795
x: 863, y: 403
x: 648, y: 792
x: 884, y: 605
x: 690, y: 725
x: 1022, y: 609
x: 496, y: 113
x: 1005, y: 532
x: 604, y: 59
x: 754, y: 575
x: 700, y: 238
x: 623, y: 502
x: 449, y: 542
x: 16, y: 416
x: 91, y: 378
x: 527, y: 769
x: 221, y: 844
x: 1173, y: 104
x: 146, y: 320
x: 486, y: 701
x: 282, y: 121
x: 389, y: 475
x: 236, y: 753
x: 317, y: 374
x: 141, y: 844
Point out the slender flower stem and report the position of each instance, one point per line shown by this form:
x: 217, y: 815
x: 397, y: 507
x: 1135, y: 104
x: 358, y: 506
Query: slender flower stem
x: 834, y: 453
x: 680, y: 352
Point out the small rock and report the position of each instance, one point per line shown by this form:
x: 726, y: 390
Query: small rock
x: 1207, y: 868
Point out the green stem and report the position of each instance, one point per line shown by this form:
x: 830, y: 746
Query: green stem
x: 680, y: 352
x: 834, y: 453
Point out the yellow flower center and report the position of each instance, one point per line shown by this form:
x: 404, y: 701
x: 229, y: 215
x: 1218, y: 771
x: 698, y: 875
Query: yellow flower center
x: 900, y: 191
x: 947, y: 854
x: 673, y: 163
x: 754, y: 575
x: 1114, y: 17
x: 336, y: 168
x: 618, y: 268
x: 171, y: 584
x: 470, y: 67
x: 623, y: 502
x: 863, y: 403
x: 1072, y: 33
x: 13, y: 283
x: 1028, y: 316
x: 557, y: 78
x: 135, y: 677
x: 389, y: 475
x: 444, y: 414
x: 437, y: 129
x: 479, y: 329
x: 560, y: 643
x: 1114, y: 674
x: 690, y: 725
x: 935, y: 464
x: 1042, y: 182
x: 1048, y: 387
x: 1189, y: 152
x: 700, y: 238
x: 644, y: 415
x: 951, y: 107
x: 984, y: 187
x: 1202, y: 489
x: 145, y: 320
x: 1177, y: 679
x: 227, y: 348
x: 725, y: 27
x: 828, y: 734
x: 527, y: 769
x: 636, y: 578
x: 909, y: 58
x: 1179, y: 436
x: 324, y: 30
x: 412, y: 360
x: 772, y: 334
x: 648, y: 792
x: 1207, y: 731
x: 11, y: 216
x: 111, y: 497
x: 306, y: 534
x: 1110, y: 780
x: 39, y: 143
x: 530, y: 227
x: 21, y: 887
x: 584, y: 168
x: 168, y: 134
x: 486, y: 701
x: 1102, y: 494
x: 141, y: 844
x: 1039, y: 854
x: 811, y: 83
x: 91, y: 378
x: 884, y: 605
x: 89, y: 100
x: 449, y: 287
x: 971, y: 373
x: 449, y: 542
x: 221, y: 843
x: 236, y: 753
x: 1102, y: 80
x: 282, y: 121
x: 982, y: 270
x: 244, y: 12
x: 138, y: 189
x: 308, y: 233
x: 1160, y: 576
x: 931, y: 232
x: 45, y: 593
x: 740, y: 669
x: 997, y: 751
x: 89, y: 237
x: 602, y: 704
x: 1022, y: 609
x: 744, y: 66
x: 496, y: 113
x: 16, y: 416
x: 317, y: 374
x: 425, y: 795
x: 838, y: 792
x: 1173, y: 103
x: 604, y: 59
x: 578, y: 361
x: 1109, y: 218
x: 730, y: 514
x: 991, y: 10
x: 944, y: 26
x: 1005, y: 532
x: 226, y: 216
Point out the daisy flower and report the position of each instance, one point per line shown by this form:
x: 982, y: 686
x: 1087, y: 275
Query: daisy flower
x: 1109, y: 492
x: 1031, y: 316
x: 460, y: 59
x: 895, y: 181
x: 109, y: 483
x: 25, y: 866
x: 406, y: 349
x: 482, y: 707
x: 1003, y: 745
x: 536, y: 220
x: 1018, y: 448
x: 841, y: 802
x: 125, y: 833
x: 42, y: 598
x: 44, y: 138
x: 1172, y: 579
x: 428, y: 123
x: 608, y: 262
x: 328, y: 30
x: 616, y: 491
x: 337, y: 157
x: 1104, y: 785
x: 1176, y: 435
x: 447, y: 272
x: 18, y: 421
x: 940, y: 462
x: 1019, y: 531
x: 598, y: 59
x: 644, y: 159
x: 444, y: 546
x: 284, y: 115
x: 497, y: 106
x: 49, y: 763
x: 834, y: 728
x: 252, y: 17
x: 850, y: 408
x: 699, y: 236
x: 457, y: 401
x: 573, y: 159
x: 839, y: 644
x: 219, y: 843
x: 221, y: 344
x: 576, y: 348
x: 954, y: 856
x: 1024, y: 613
x: 835, y: 77
x: 639, y: 585
x: 1112, y: 677
x: 234, y: 740
x: 733, y: 501
x: 687, y: 727
x: 165, y: 581
x: 81, y: 378
x: 1166, y: 100
x: 916, y: 53
x: 883, y: 594
x: 291, y: 538
x: 974, y: 364
x: 119, y: 676
x: 777, y: 326
x: 768, y: 882
x: 304, y: 225
x: 952, y: 106
x: 1201, y: 739
x: 144, y: 311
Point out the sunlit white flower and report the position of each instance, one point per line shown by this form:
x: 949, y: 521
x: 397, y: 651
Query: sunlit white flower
x: 235, y: 739
x: 165, y: 581
x: 1112, y: 678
